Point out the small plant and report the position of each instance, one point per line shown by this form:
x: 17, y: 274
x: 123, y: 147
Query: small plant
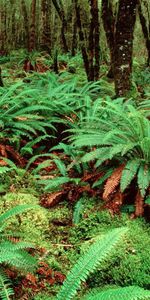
x: 12, y: 253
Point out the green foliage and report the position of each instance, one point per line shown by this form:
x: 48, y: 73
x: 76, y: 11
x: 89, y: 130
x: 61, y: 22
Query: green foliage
x: 128, y: 293
x: 97, y: 253
x: 120, y: 133
x: 5, y: 290
x: 13, y: 254
x: 130, y: 264
x: 31, y: 226
x: 78, y: 210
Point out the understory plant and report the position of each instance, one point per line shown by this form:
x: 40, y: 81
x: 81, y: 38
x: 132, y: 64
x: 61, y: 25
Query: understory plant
x: 98, y: 253
x: 13, y: 253
x: 117, y: 139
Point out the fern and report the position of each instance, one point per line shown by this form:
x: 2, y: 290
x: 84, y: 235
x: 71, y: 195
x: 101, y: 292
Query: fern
x: 97, y: 253
x: 77, y: 213
x: 13, y: 254
x: 5, y: 286
x: 128, y: 173
x: 143, y: 179
x: 126, y: 293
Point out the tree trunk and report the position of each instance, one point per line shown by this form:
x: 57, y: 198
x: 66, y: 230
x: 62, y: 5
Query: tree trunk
x: 74, y: 31
x: 109, y: 27
x: 82, y: 39
x: 145, y: 30
x: 46, y: 30
x: 26, y: 22
x: 124, y: 46
x: 61, y: 13
x: 94, y: 49
x: 3, y: 35
x: 32, y: 37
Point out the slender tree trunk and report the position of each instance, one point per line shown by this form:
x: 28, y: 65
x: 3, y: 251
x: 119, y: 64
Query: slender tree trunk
x: 95, y: 15
x: 82, y: 39
x: 26, y: 22
x: 60, y: 10
x: 124, y: 46
x: 3, y: 35
x: 32, y: 37
x: 94, y: 49
x: 145, y: 30
x: 74, y: 31
x: 109, y: 27
x: 46, y: 30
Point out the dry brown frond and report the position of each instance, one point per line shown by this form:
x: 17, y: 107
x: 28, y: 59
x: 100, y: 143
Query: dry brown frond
x: 112, y: 182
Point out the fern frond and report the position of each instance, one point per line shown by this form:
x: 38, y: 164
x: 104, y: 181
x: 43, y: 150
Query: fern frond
x: 54, y: 183
x: 5, y: 287
x: 97, y: 253
x: 18, y: 258
x: 125, y: 293
x: 143, y: 178
x: 128, y: 173
x: 77, y: 213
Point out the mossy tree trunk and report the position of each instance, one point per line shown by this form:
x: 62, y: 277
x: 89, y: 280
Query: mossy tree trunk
x: 124, y: 46
x: 145, y: 29
x: 109, y: 27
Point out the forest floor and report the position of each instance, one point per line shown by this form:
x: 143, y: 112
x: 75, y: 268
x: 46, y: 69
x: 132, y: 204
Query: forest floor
x: 65, y: 224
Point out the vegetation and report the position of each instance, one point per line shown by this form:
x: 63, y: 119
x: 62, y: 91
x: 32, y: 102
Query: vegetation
x: 74, y: 149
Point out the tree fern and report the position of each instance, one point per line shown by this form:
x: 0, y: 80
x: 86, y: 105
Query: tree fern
x: 97, y: 253
x: 126, y: 293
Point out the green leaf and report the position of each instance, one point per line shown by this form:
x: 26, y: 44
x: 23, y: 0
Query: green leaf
x: 129, y: 173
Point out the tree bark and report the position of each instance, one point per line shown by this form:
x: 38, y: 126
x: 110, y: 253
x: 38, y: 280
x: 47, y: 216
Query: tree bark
x: 109, y: 27
x: 94, y: 49
x: 32, y: 37
x: 46, y: 30
x: 124, y: 46
x: 82, y: 39
x: 60, y: 10
x: 145, y: 30
x: 26, y: 22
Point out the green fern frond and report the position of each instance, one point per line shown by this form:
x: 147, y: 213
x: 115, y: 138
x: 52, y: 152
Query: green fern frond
x: 19, y: 258
x: 54, y: 183
x: 126, y: 293
x: 143, y: 178
x: 100, y: 153
x: 9, y: 246
x: 97, y: 253
x: 6, y: 292
x: 128, y: 173
x: 77, y: 213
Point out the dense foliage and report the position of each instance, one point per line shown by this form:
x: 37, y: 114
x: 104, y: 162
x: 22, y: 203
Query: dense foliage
x: 74, y: 149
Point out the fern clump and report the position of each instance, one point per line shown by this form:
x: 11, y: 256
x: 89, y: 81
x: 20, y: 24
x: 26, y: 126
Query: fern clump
x: 119, y: 133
